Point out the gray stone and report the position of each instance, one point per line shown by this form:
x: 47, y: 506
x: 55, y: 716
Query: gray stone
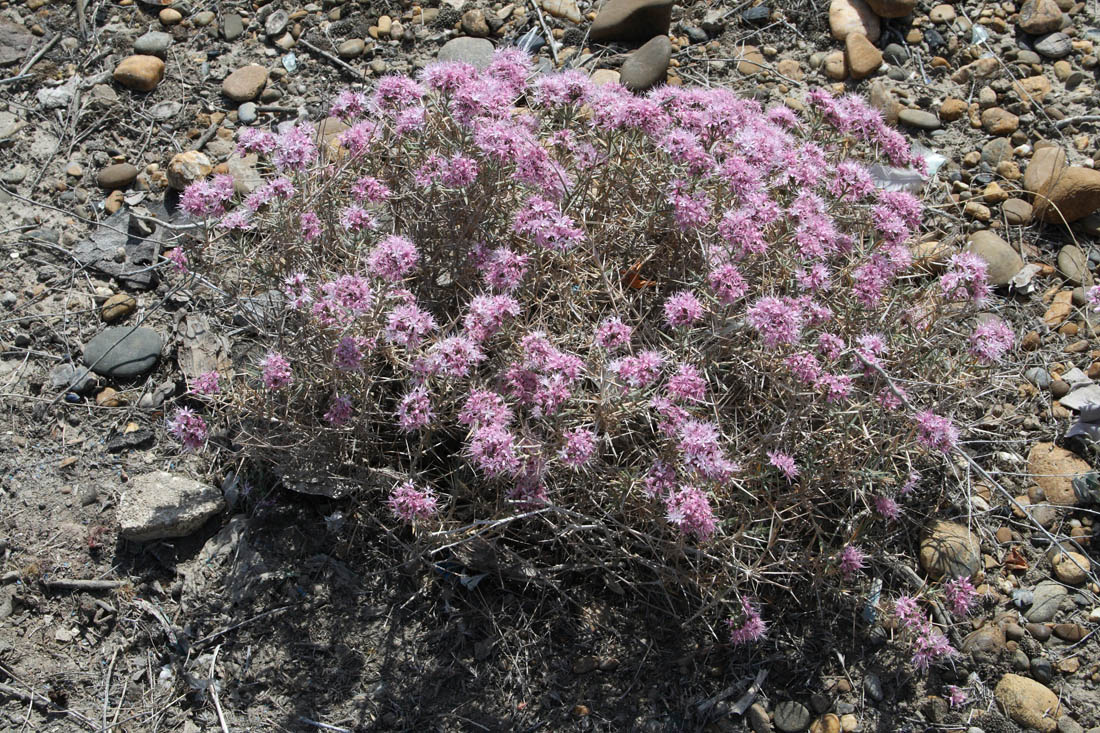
x: 647, y: 66
x: 1038, y: 376
x: 72, y: 378
x: 1041, y: 670
x: 15, y: 174
x: 996, y: 150
x: 232, y: 26
x: 153, y: 43
x: 477, y: 52
x: 895, y: 54
x: 872, y: 685
x: 114, y: 250
x: 15, y: 41
x: 1047, y: 597
x: 1074, y: 265
x: 246, y: 113
x: 792, y: 717
x: 166, y: 110
x: 919, y: 119
x: 160, y: 505
x: 203, y: 19
x: 135, y: 351
x: 1025, y: 56
x: 276, y: 23
x: 1054, y: 45
x: 9, y: 125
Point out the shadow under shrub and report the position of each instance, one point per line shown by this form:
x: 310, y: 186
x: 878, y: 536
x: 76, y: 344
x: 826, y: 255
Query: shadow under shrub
x: 674, y: 332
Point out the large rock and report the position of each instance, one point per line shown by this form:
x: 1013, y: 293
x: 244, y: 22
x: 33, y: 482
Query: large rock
x: 949, y: 550
x: 159, y: 505
x: 631, y: 20
x: 853, y: 16
x: 892, y: 8
x: 1028, y: 702
x: 139, y: 72
x: 648, y: 65
x: 1004, y: 262
x: 245, y: 84
x: 1053, y: 469
x: 1045, y: 165
x: 121, y: 352
x: 477, y: 52
x: 1039, y: 16
x: 1072, y: 195
x: 863, y: 58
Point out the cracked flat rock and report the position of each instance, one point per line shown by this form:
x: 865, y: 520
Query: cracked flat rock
x: 159, y: 505
x: 15, y: 41
x: 113, y: 249
x: 121, y: 352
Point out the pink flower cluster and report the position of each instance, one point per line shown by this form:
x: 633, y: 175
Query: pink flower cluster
x: 752, y: 627
x: 188, y: 428
x: 410, y: 504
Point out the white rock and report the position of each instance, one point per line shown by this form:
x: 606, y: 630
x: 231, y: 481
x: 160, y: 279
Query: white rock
x: 160, y: 504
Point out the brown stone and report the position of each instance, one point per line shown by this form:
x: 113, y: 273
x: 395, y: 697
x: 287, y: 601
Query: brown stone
x: 631, y: 20
x: 853, y: 16
x: 1031, y: 341
x: 892, y: 8
x: 1072, y: 633
x: 140, y: 73
x: 998, y: 121
x: 1060, y: 309
x: 994, y: 194
x: 1046, y: 165
x: 952, y: 109
x: 863, y: 58
x: 979, y: 69
x: 751, y: 60
x: 1032, y: 88
x: 1017, y: 211
x: 1028, y: 702
x: 1054, y: 469
x: 836, y: 66
x: 187, y: 167
x: 245, y: 84
x: 949, y: 549
x: 117, y: 306
x: 1073, y: 194
x: 1071, y: 568
x: 117, y: 176
x: 1039, y: 16
x: 791, y: 69
x: 1004, y: 262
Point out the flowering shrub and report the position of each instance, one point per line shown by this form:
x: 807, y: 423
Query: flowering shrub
x: 678, y: 318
